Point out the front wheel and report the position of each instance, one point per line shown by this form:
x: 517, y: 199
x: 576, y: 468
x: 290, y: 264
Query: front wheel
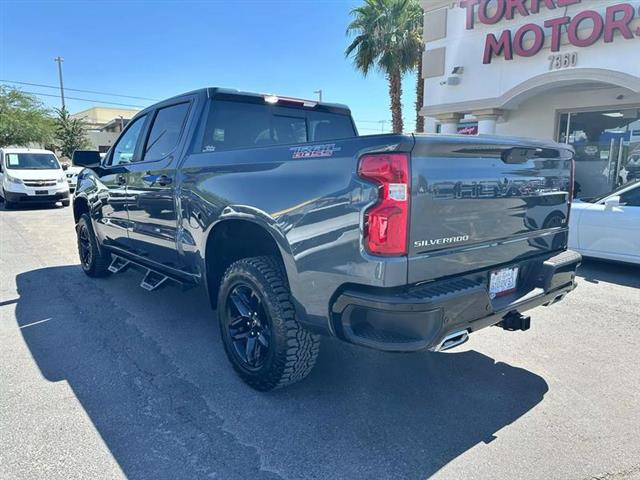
x: 93, y: 260
x: 66, y: 203
x: 264, y: 342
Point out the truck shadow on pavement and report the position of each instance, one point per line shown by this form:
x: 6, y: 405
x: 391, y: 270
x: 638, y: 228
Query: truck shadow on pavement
x: 150, y: 372
x: 601, y: 271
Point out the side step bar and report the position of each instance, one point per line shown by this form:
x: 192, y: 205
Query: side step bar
x: 118, y: 264
x: 152, y: 280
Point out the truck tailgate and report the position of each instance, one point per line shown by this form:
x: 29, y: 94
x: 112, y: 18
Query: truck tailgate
x: 478, y: 202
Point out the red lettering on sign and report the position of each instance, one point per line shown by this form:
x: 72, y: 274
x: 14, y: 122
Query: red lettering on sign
x: 537, y: 43
x: 518, y: 5
x: 556, y: 25
x: 497, y: 16
x: 566, y: 3
x: 496, y: 46
x: 621, y: 24
x: 535, y: 5
x: 470, y: 5
x: 598, y: 27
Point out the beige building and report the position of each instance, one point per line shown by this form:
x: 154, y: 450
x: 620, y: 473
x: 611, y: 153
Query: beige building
x: 105, y: 124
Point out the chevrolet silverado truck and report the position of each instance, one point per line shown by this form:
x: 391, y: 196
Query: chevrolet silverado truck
x: 297, y: 227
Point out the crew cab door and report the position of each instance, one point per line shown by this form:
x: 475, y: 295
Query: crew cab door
x: 151, y: 185
x: 612, y: 231
x: 111, y: 217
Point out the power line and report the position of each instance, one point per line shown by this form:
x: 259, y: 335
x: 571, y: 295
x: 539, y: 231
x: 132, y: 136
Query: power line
x: 78, y: 90
x: 91, y: 100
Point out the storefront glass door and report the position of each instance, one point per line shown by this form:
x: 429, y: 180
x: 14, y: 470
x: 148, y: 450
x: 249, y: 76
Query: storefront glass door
x: 607, y: 145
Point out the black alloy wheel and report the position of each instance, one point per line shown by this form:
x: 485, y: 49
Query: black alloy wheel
x: 93, y: 259
x: 84, y: 247
x: 262, y: 338
x: 249, y: 326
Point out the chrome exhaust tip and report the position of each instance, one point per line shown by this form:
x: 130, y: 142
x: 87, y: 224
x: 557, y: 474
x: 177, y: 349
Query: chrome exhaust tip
x: 452, y: 340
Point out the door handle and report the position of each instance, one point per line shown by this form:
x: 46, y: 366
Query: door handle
x: 121, y: 179
x: 161, y: 180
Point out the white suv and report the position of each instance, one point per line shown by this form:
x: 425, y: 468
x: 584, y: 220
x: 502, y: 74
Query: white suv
x: 29, y: 175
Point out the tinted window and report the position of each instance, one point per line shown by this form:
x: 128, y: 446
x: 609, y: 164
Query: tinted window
x: 166, y: 130
x: 631, y: 198
x: 243, y: 125
x: 125, y: 148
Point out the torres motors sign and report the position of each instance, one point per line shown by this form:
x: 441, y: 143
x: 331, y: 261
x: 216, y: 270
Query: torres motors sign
x: 583, y: 29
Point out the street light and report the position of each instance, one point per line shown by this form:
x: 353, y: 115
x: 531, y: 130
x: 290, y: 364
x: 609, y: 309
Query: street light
x: 319, y: 93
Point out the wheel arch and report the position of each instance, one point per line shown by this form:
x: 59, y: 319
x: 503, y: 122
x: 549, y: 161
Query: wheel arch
x: 240, y: 236
x: 80, y: 206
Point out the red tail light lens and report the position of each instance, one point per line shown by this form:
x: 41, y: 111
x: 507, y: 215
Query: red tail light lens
x: 386, y: 223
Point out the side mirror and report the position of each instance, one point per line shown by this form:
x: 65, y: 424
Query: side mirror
x: 86, y: 158
x: 611, y: 202
x: 65, y: 166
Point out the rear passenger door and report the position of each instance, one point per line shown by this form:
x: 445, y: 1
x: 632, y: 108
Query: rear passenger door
x: 151, y: 184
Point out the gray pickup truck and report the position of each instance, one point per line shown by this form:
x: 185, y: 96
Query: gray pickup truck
x: 297, y: 227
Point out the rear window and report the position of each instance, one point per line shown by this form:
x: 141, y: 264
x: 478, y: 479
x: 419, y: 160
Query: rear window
x: 244, y: 125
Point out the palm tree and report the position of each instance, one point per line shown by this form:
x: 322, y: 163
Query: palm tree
x: 386, y: 39
x: 418, y: 22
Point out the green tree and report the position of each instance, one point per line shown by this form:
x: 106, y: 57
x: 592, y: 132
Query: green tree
x: 417, y: 16
x: 71, y: 133
x: 386, y: 39
x: 23, y: 119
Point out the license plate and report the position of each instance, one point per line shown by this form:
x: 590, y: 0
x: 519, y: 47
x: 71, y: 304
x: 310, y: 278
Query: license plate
x: 502, y: 282
x: 42, y: 192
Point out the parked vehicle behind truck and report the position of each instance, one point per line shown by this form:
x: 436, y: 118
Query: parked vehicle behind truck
x: 297, y: 227
x: 30, y: 175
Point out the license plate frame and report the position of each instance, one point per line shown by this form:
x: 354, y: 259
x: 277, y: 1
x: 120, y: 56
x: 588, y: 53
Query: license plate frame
x: 42, y: 192
x: 503, y: 281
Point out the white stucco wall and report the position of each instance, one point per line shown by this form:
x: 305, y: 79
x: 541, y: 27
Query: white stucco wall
x: 537, y: 117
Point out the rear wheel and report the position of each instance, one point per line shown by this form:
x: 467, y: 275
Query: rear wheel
x: 93, y: 260
x: 264, y: 342
x: 66, y: 203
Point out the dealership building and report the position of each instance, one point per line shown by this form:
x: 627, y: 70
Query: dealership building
x: 566, y: 70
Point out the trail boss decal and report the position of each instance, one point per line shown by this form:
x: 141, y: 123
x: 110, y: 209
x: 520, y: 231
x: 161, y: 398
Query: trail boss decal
x: 315, y: 151
x: 440, y: 241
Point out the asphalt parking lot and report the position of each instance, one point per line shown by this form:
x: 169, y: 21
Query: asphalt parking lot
x: 100, y: 379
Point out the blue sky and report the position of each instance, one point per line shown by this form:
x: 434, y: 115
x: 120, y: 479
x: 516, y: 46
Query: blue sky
x: 157, y: 49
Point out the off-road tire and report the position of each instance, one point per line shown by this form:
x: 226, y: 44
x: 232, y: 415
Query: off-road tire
x: 98, y: 264
x: 293, y: 350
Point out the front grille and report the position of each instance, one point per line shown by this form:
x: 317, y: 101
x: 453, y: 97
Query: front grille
x: 40, y: 183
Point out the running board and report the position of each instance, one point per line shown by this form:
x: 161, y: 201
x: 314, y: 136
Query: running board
x: 152, y: 280
x: 118, y: 264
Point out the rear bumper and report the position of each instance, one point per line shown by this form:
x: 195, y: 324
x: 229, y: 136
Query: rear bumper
x: 421, y: 317
x: 25, y: 198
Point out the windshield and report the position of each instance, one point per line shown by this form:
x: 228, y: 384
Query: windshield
x: 615, y: 192
x: 31, y: 161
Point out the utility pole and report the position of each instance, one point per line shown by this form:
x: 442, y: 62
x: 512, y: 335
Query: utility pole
x: 319, y: 92
x: 59, y: 61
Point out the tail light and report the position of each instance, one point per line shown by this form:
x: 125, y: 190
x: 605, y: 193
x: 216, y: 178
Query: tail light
x: 386, y: 223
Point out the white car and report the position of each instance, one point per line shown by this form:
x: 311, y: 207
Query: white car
x: 29, y: 175
x: 608, y: 227
x: 71, y: 173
